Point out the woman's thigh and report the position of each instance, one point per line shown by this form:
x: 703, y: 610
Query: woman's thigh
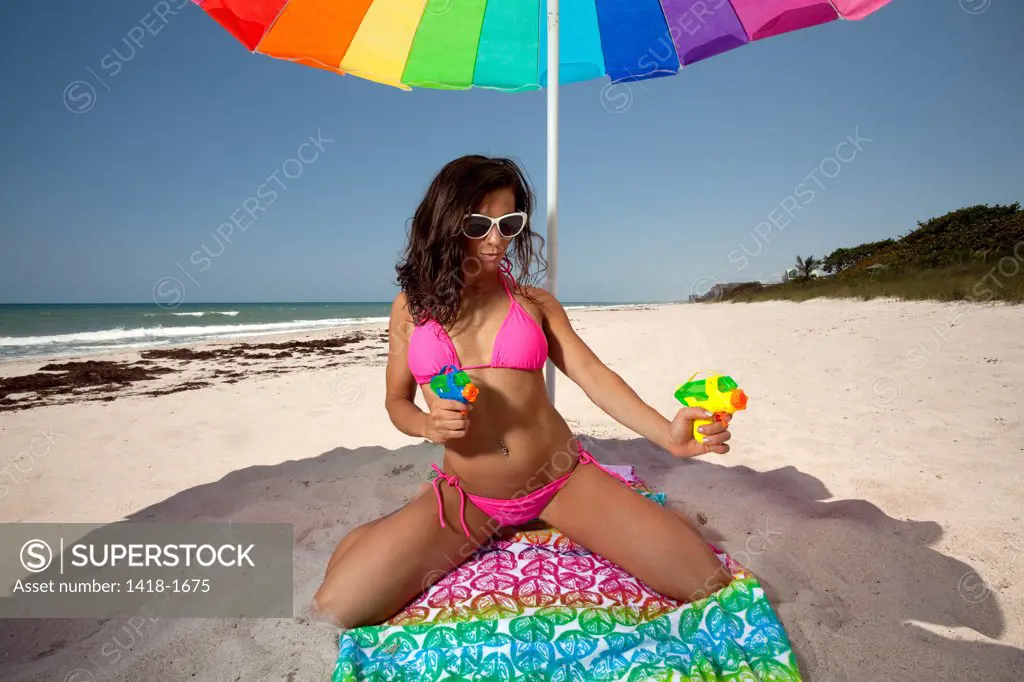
x: 650, y: 542
x: 397, y: 557
x: 349, y: 540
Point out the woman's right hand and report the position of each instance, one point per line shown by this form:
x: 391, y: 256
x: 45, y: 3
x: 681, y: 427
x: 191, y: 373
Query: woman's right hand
x: 447, y: 420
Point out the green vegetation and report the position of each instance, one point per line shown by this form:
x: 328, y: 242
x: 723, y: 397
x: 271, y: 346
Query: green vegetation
x: 975, y: 254
x: 841, y: 259
x: 805, y: 267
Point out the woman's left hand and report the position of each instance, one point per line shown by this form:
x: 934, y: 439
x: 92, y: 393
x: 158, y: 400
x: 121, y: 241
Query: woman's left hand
x: 680, y: 441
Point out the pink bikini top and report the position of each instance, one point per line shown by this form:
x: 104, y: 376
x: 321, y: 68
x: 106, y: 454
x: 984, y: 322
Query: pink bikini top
x: 520, y: 344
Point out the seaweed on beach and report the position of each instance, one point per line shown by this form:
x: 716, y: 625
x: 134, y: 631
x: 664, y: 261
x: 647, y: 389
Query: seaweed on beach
x: 186, y: 354
x: 250, y: 351
x: 106, y: 380
x: 187, y: 386
x: 77, y: 375
x: 72, y: 378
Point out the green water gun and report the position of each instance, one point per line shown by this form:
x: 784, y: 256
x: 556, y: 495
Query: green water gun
x: 454, y: 384
x: 719, y: 395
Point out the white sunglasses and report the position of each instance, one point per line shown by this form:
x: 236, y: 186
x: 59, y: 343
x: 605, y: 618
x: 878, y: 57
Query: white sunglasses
x: 477, y: 226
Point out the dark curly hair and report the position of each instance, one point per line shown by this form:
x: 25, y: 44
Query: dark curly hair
x: 433, y: 270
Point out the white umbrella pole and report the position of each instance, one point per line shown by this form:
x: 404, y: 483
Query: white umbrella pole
x: 552, y: 233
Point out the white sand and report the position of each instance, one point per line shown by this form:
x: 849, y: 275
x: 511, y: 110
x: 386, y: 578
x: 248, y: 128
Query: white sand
x: 874, y: 484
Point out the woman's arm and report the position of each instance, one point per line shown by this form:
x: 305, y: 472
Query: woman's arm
x: 613, y: 395
x: 400, y: 384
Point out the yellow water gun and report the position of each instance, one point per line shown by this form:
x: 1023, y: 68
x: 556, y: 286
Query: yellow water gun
x: 717, y: 394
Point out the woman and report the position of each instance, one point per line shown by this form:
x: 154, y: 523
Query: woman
x: 510, y: 457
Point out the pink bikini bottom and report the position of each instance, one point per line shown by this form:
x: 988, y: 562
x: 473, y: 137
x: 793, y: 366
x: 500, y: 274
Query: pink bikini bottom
x: 512, y: 512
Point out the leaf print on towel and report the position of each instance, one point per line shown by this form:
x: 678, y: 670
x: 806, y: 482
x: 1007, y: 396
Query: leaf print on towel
x: 537, y: 537
x: 367, y: 637
x: 531, y: 629
x: 475, y: 632
x: 690, y: 620
x: 651, y: 672
x: 397, y: 644
x: 495, y: 605
x: 566, y: 546
x: 607, y: 569
x: 495, y: 560
x: 656, y: 607
x: 535, y: 592
x: 627, y: 615
x: 581, y: 598
x: 494, y: 582
x: 596, y: 622
x: 658, y: 630
x: 541, y: 567
x: 723, y: 625
x: 573, y: 581
x: 770, y: 670
x: 577, y: 563
x: 446, y: 596
x: 609, y: 666
x: 728, y: 656
x: 463, y: 666
x: 568, y: 671
x: 575, y: 644
x: 761, y: 614
x: 453, y: 614
x: 441, y: 638
x: 622, y: 591
x: 428, y: 665
x: 462, y: 574
x: 533, y: 657
x: 767, y: 641
x: 497, y: 667
x: 557, y: 615
x: 624, y: 642
x: 737, y: 596
x: 410, y: 616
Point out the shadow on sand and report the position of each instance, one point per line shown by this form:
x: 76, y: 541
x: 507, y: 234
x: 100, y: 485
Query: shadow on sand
x: 850, y: 583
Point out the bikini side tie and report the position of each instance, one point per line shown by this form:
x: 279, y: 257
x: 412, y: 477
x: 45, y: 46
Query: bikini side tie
x: 453, y: 482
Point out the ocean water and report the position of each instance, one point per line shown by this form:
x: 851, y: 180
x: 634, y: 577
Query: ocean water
x: 35, y: 330
x: 73, y: 329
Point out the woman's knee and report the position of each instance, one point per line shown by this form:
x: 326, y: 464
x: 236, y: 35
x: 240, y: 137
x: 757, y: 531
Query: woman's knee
x: 343, y: 608
x: 347, y: 543
x: 359, y: 531
x: 703, y: 583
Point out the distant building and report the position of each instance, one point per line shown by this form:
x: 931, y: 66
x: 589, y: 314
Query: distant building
x: 718, y: 291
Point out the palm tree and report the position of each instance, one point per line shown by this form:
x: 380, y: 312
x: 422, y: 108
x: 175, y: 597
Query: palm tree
x: 805, y: 267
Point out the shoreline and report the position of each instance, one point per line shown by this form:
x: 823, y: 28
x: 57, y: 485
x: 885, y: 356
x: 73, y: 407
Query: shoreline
x: 113, y: 375
x: 251, y: 338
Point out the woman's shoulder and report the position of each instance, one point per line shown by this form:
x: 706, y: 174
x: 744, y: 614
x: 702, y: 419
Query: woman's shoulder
x: 400, y: 308
x: 540, y: 301
x: 540, y: 295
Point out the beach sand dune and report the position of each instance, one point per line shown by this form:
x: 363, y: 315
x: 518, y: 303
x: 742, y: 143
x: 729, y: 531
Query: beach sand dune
x: 874, y: 485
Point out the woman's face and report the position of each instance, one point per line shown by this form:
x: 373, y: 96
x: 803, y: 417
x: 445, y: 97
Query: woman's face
x: 490, y: 250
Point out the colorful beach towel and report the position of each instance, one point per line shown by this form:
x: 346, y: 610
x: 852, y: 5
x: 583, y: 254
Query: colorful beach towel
x: 536, y: 606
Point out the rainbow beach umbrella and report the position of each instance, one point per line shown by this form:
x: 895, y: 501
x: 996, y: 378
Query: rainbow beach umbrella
x: 515, y: 45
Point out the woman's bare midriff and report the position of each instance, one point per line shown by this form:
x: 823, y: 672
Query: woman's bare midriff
x: 512, y: 408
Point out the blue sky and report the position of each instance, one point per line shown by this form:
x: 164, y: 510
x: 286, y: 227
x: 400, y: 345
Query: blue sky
x: 722, y: 173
